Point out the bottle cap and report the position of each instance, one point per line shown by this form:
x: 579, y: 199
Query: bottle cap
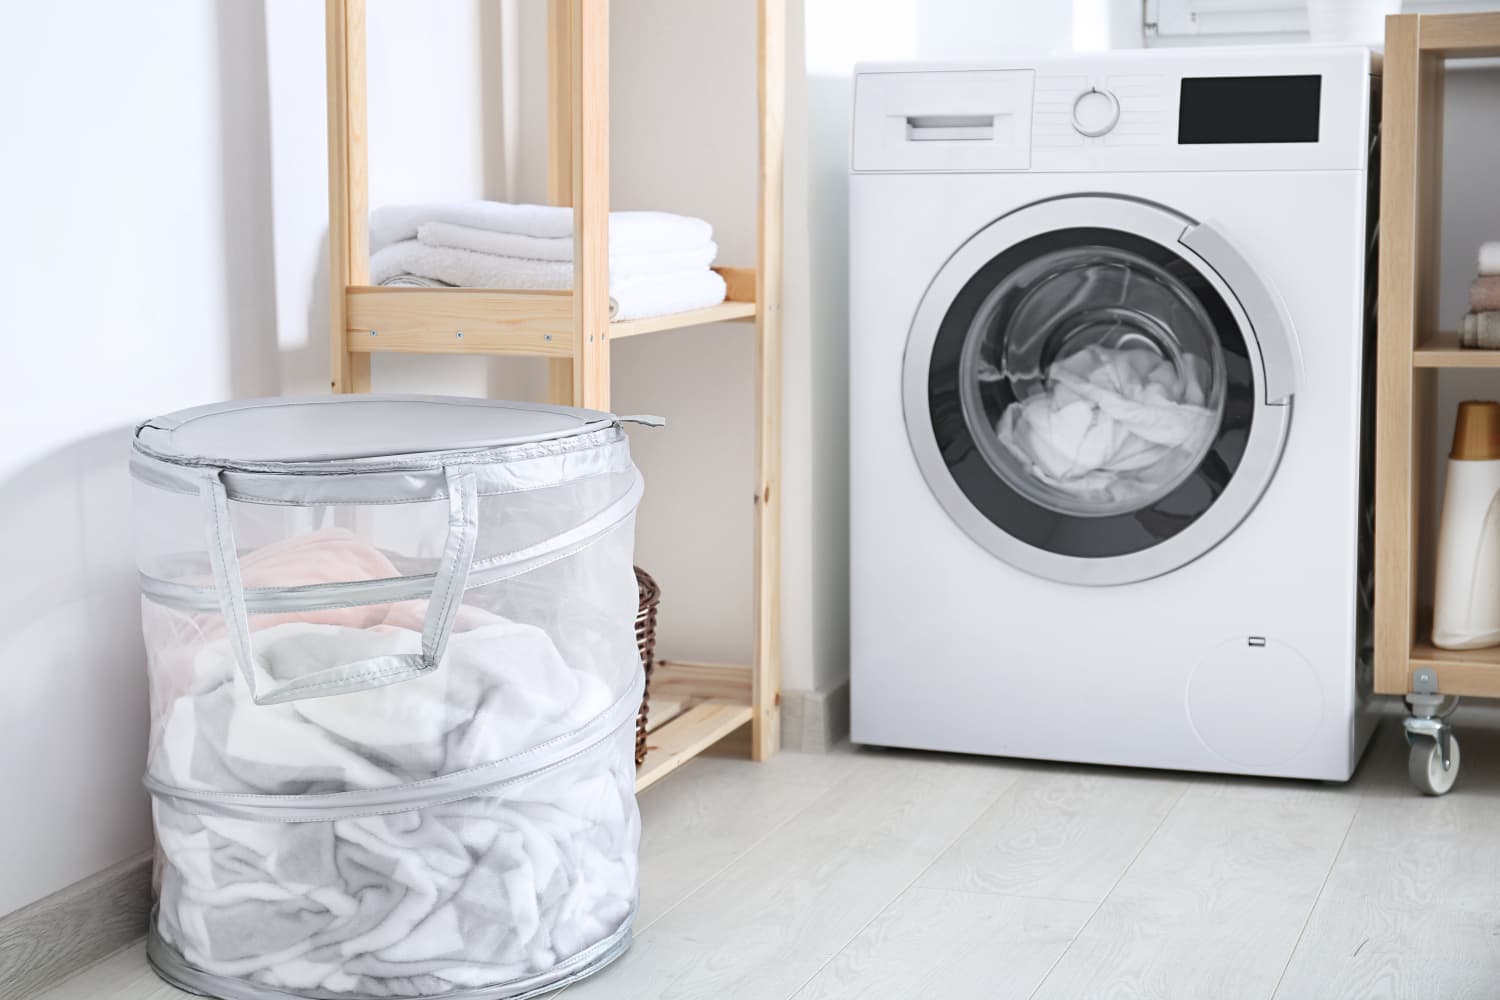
x: 1476, y: 431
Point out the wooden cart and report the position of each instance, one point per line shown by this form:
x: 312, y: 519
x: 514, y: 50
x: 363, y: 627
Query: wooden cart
x: 572, y: 329
x: 1413, y: 349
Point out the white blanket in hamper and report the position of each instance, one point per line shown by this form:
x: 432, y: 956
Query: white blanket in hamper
x: 461, y: 895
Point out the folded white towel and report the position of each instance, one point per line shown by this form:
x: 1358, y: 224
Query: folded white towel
x: 1489, y: 257
x: 413, y: 281
x: 635, y: 297
x: 629, y: 232
x: 560, y: 252
x: 404, y: 280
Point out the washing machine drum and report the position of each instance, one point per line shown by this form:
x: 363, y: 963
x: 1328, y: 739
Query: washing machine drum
x: 1098, y: 389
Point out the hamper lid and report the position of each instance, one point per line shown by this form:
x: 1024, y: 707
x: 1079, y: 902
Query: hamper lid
x: 335, y: 428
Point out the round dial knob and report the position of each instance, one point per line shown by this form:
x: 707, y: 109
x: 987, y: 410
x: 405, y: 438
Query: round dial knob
x: 1095, y: 112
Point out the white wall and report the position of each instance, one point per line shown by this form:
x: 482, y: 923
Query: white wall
x: 683, y: 121
x: 117, y: 284
x: 430, y: 97
x: 684, y: 140
x: 166, y: 247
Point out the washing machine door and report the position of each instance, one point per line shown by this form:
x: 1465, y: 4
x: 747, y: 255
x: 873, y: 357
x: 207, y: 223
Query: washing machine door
x: 1098, y: 389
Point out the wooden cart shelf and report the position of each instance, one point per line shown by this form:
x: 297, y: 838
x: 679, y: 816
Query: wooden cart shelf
x: 572, y: 330
x: 1441, y: 350
x: 1412, y: 350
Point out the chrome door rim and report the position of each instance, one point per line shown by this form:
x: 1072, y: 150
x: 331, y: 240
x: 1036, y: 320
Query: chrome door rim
x: 1263, y: 448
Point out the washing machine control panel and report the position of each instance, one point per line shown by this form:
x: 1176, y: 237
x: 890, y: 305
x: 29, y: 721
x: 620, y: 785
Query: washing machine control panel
x: 1178, y: 110
x: 1110, y: 109
x: 1095, y: 112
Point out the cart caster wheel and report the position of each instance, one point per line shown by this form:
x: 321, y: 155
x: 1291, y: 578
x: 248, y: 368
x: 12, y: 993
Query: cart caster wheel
x: 1425, y: 766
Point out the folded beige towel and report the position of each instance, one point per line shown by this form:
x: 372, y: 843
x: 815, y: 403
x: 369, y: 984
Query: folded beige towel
x: 1480, y: 329
x: 1484, y: 294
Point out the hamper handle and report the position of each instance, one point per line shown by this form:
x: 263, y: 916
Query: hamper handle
x: 442, y: 606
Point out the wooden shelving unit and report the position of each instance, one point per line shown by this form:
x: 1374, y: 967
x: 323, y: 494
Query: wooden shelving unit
x: 572, y: 329
x: 1413, y: 348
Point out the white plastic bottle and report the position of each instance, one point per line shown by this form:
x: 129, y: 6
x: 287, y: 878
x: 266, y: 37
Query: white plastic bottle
x: 1466, y: 612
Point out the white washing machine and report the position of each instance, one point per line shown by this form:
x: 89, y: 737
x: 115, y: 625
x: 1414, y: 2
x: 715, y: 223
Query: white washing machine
x: 1109, y: 365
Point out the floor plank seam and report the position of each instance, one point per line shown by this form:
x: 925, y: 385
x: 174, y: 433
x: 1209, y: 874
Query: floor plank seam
x: 822, y: 793
x: 1045, y: 897
x: 904, y: 889
x: 1322, y: 887
x: 1145, y: 842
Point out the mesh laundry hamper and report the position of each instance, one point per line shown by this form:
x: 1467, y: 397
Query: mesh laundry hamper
x: 394, y: 681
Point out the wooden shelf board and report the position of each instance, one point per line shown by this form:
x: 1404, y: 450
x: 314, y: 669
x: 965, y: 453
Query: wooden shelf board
x: 492, y: 321
x: 663, y: 711
x: 458, y: 321
x: 723, y: 312
x: 1472, y: 672
x: 689, y: 682
x: 1460, y: 35
x: 1441, y: 350
x: 686, y: 736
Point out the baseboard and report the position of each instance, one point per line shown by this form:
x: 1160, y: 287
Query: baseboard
x: 57, y: 935
x: 815, y: 721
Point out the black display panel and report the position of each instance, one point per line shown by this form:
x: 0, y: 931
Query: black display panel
x: 1219, y: 109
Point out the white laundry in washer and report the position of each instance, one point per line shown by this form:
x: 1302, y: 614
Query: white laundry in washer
x: 1109, y: 370
x: 1105, y: 422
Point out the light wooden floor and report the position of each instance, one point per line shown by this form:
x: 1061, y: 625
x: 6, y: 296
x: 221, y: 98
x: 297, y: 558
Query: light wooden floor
x: 882, y: 875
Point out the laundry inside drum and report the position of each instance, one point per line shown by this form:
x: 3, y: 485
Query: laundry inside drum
x: 1093, y: 381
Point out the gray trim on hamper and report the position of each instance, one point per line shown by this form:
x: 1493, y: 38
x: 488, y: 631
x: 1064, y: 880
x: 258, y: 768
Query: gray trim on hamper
x: 172, y: 967
x: 396, y: 479
x: 59, y: 934
x: 322, y: 596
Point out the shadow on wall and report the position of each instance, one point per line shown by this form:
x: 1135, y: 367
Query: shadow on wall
x: 829, y: 102
x: 70, y: 640
x: 249, y: 235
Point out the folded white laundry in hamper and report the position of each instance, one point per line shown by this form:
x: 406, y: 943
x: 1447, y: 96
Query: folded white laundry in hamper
x: 394, y: 681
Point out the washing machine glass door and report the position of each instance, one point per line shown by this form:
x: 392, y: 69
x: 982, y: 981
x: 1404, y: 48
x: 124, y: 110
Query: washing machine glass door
x: 1098, y: 389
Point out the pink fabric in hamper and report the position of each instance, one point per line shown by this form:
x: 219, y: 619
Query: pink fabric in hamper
x: 332, y: 556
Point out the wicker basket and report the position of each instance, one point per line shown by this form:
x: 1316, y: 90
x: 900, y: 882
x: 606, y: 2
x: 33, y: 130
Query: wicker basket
x: 645, y: 637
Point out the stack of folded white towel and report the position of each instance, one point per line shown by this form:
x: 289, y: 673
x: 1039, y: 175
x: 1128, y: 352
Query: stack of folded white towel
x: 1480, y: 327
x: 658, y: 262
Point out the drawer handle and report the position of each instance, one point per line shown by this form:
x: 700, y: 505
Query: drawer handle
x: 950, y: 128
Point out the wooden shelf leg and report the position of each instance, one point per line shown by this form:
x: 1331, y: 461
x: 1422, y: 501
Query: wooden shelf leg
x: 765, y: 688
x: 560, y: 153
x: 590, y: 158
x: 1411, y: 150
x: 348, y: 185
